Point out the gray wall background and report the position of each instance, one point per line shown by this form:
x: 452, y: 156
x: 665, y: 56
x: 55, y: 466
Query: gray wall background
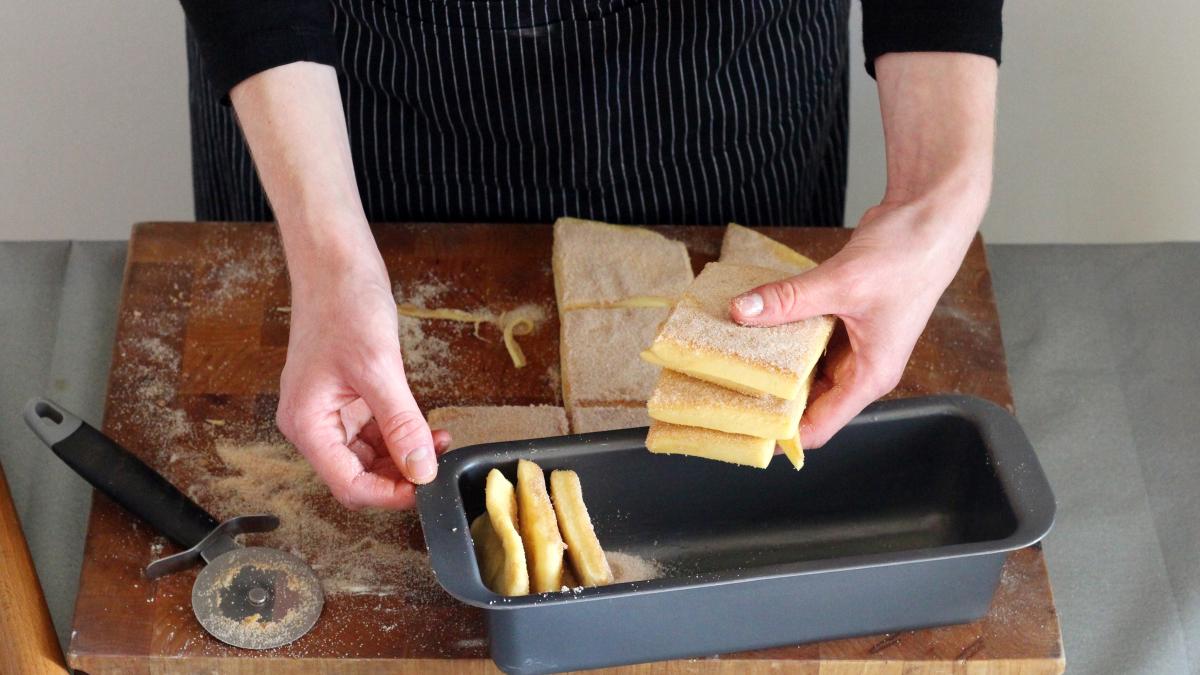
x: 1097, y: 140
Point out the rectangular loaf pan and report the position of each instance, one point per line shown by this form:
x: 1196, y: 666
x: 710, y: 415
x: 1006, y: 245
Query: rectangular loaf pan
x: 902, y: 521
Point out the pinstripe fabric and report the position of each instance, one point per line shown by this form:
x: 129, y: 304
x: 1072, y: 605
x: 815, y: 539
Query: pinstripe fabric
x: 650, y: 111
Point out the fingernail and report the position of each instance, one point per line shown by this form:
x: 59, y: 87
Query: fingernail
x: 750, y: 304
x: 421, y: 464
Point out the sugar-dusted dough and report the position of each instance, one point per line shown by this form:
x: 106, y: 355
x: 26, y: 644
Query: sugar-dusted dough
x: 587, y: 419
x: 600, y: 264
x: 699, y: 338
x: 674, y: 439
x: 744, y: 246
x: 472, y: 425
x: 599, y: 349
x: 681, y: 399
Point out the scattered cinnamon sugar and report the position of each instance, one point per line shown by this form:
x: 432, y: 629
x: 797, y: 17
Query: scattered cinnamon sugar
x: 237, y: 270
x: 427, y: 357
x: 627, y: 567
x: 148, y: 370
x: 428, y: 292
x: 352, y: 552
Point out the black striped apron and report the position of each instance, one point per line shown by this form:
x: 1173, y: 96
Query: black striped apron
x: 651, y: 111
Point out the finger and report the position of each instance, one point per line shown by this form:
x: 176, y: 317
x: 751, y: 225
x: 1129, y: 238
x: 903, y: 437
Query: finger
x: 365, y: 453
x: 371, y: 434
x: 803, y: 296
x: 385, y: 467
x: 441, y: 440
x: 837, y: 366
x: 355, y: 416
x: 819, y: 387
x: 351, y: 484
x: 403, y: 427
x: 829, y: 412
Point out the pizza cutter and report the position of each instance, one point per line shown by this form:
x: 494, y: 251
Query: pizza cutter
x: 247, y: 596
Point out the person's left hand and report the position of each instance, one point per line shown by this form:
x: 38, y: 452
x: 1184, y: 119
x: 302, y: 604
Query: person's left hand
x: 883, y: 285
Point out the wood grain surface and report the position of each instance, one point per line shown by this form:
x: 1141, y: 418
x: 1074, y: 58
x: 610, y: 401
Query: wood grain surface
x: 30, y: 644
x: 201, y: 339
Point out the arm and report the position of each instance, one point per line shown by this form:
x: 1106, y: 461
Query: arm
x: 938, y: 114
x: 343, y: 400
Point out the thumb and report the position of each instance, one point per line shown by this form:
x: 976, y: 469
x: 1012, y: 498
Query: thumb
x: 809, y: 294
x: 404, y: 429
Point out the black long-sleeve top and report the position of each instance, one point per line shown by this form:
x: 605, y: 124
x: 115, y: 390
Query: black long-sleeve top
x: 238, y: 38
x: 628, y: 111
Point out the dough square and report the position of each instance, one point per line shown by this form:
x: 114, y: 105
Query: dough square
x: 699, y: 338
x: 599, y: 349
x: 674, y: 439
x: 472, y: 425
x: 600, y: 264
x: 680, y: 399
x: 744, y: 246
x: 585, y: 420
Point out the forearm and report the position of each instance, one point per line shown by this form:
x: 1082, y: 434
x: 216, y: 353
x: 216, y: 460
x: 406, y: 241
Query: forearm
x: 938, y: 113
x: 343, y: 398
x: 293, y: 122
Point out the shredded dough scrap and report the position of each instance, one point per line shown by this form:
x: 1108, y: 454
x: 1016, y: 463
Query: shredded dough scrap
x: 632, y: 302
x: 513, y: 323
x: 519, y: 321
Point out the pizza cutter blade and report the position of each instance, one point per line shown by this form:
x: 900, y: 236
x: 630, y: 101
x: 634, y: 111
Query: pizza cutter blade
x: 257, y: 598
x: 251, y: 597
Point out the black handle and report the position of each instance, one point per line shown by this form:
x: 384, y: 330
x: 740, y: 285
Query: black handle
x: 119, y: 474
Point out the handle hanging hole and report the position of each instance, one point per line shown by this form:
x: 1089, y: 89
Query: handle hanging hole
x: 48, y: 412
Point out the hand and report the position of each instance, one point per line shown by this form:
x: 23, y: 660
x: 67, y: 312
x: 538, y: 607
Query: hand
x: 344, y: 401
x: 883, y: 285
x: 938, y: 111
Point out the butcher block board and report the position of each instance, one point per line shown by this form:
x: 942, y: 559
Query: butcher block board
x: 201, y: 338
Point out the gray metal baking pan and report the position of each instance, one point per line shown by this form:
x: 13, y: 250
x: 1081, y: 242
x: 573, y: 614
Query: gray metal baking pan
x: 902, y: 521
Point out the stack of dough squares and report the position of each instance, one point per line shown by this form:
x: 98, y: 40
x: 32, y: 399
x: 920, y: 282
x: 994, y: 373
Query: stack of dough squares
x: 731, y: 392
x: 614, y: 286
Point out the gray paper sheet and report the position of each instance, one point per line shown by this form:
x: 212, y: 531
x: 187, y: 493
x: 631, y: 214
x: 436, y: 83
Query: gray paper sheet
x: 1103, y: 347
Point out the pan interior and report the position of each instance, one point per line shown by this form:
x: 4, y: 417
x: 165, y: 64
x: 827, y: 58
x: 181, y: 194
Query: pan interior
x: 885, y: 487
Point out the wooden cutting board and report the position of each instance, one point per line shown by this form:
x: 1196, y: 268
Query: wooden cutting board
x: 201, y: 339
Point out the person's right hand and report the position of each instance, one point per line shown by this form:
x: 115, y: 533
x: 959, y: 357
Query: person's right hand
x: 344, y: 401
